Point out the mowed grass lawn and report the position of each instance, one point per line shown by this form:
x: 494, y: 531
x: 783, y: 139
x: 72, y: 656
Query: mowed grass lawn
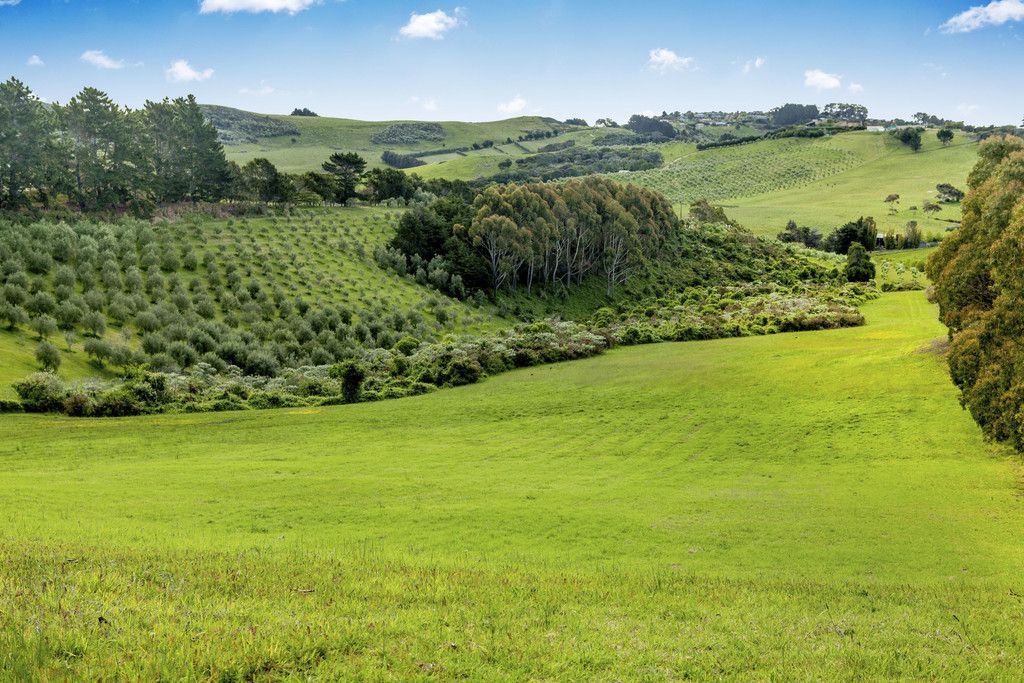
x: 811, y: 505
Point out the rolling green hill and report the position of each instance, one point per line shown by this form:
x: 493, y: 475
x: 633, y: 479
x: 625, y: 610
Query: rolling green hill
x: 828, y: 511
x: 821, y: 182
x: 316, y: 138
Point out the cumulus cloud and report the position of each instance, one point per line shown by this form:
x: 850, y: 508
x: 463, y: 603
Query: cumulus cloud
x: 9, y: 3
x: 662, y: 59
x: 754, y: 64
x: 995, y: 13
x: 183, y: 72
x: 856, y: 88
x: 255, y: 6
x: 100, y: 60
x: 35, y: 60
x: 514, y: 106
x: 432, y: 25
x: 816, y: 78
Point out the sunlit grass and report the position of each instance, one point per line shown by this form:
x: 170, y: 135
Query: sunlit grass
x: 811, y: 505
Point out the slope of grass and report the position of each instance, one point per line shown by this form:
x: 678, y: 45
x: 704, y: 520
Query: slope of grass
x: 860, y: 191
x: 320, y: 137
x: 827, y: 511
x: 18, y: 360
x: 756, y: 168
x: 820, y: 183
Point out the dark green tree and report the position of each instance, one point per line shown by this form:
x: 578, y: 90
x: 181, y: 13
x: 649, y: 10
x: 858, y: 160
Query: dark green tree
x: 110, y: 152
x: 351, y: 373
x: 28, y: 149
x: 859, y: 267
x: 347, y: 168
x: 945, y: 136
x: 188, y: 157
x: 264, y: 182
x: 389, y: 183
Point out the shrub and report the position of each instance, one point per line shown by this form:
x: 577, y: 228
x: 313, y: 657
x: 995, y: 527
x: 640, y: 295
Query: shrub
x: 42, y: 392
x: 8, y: 405
x: 407, y: 346
x: 79, y: 404
x: 119, y: 402
x: 351, y: 373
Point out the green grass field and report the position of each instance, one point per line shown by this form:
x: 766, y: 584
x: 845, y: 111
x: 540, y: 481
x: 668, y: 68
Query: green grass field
x: 322, y: 136
x: 860, y: 191
x: 801, y: 506
x: 820, y: 183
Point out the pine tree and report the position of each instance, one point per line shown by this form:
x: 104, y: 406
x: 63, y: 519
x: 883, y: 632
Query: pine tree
x: 27, y: 144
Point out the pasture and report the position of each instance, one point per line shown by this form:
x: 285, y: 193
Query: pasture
x: 820, y: 183
x: 319, y: 137
x: 811, y: 505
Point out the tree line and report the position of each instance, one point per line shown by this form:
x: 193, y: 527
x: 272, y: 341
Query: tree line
x: 509, y: 237
x: 978, y: 273
x: 96, y: 156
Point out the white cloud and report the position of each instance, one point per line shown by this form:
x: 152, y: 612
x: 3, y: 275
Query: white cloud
x: 35, y: 60
x: 428, y: 103
x: 514, y: 106
x: 662, y: 59
x: 754, y: 64
x: 9, y: 3
x: 181, y: 71
x: 856, y: 88
x: 261, y: 91
x: 816, y: 78
x: 432, y: 25
x: 254, y: 6
x: 995, y: 13
x: 100, y: 60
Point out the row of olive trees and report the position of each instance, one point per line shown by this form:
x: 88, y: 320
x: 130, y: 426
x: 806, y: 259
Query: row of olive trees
x: 175, y: 307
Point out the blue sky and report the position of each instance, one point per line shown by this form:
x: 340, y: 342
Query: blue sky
x: 485, y: 60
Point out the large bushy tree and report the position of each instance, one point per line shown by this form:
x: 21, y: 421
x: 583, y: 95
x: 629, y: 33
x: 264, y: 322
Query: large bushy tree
x: 188, y: 158
x: 110, y: 152
x: 793, y: 114
x: 28, y: 145
x: 347, y: 169
x: 539, y: 233
x: 978, y: 271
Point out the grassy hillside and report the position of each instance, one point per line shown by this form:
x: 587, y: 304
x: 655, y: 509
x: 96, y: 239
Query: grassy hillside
x: 319, y: 137
x: 821, y: 182
x: 828, y: 511
x: 861, y: 190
